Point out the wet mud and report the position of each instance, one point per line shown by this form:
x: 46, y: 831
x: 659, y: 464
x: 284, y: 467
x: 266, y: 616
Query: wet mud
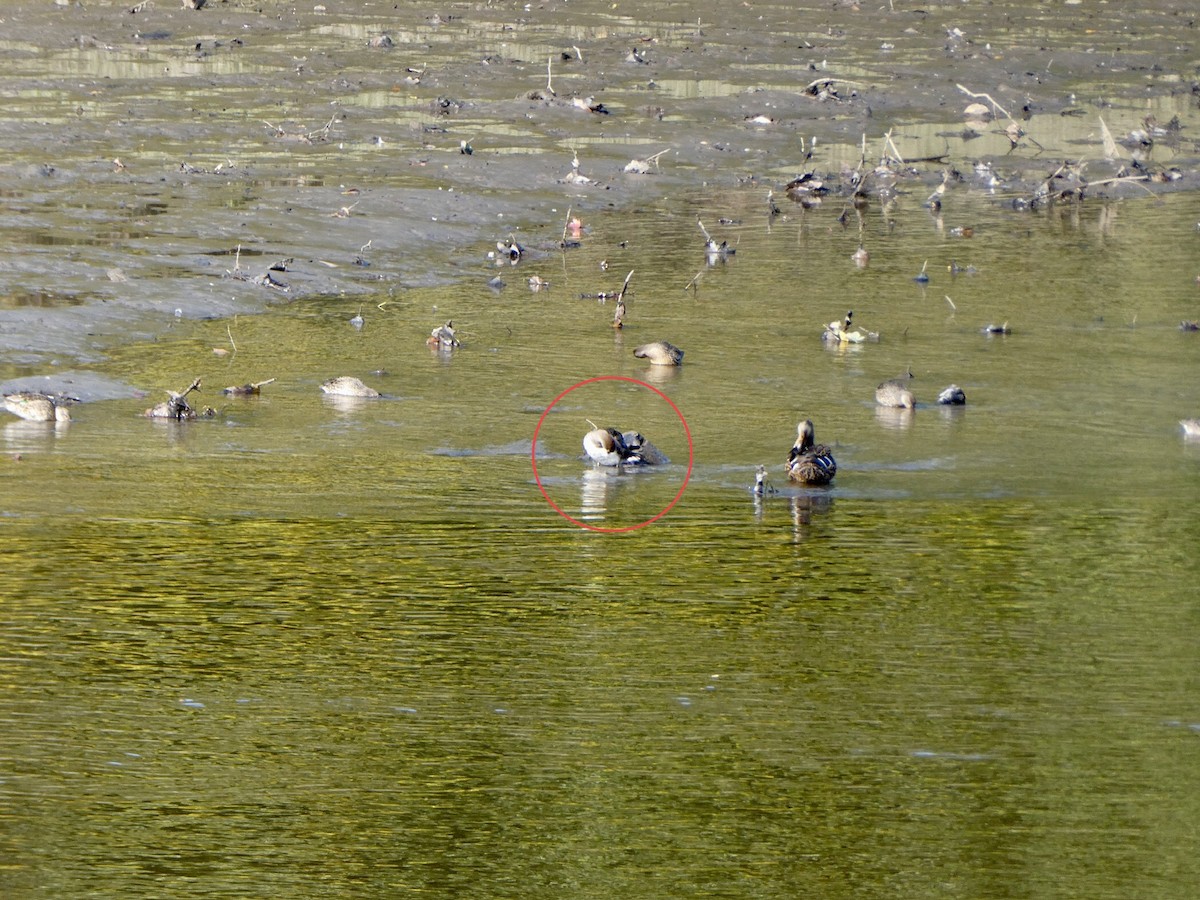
x: 164, y: 162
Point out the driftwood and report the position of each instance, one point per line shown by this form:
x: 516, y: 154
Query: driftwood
x: 246, y: 390
x: 178, y: 408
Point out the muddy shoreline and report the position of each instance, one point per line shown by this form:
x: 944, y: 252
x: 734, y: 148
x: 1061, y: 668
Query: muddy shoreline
x: 160, y: 160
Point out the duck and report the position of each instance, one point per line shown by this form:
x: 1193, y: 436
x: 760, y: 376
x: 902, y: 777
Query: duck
x: 809, y: 462
x: 895, y: 392
x: 348, y: 386
x: 952, y: 396
x: 660, y: 353
x: 613, y: 447
x: 1191, y: 427
x: 606, y: 446
x: 35, y: 407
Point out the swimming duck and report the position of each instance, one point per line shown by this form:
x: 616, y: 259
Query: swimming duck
x: 952, y: 396
x: 660, y: 353
x: 895, y: 392
x: 611, y: 447
x: 348, y: 386
x: 809, y: 462
x: 35, y: 407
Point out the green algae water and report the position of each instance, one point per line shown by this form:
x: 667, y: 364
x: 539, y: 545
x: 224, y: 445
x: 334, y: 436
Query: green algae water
x: 315, y: 647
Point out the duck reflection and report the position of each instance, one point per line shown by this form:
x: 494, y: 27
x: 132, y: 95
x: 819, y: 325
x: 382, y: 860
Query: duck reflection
x: 593, y: 493
x: 894, y: 417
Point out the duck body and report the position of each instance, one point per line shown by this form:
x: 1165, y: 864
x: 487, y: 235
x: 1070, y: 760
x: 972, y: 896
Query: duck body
x: 660, y: 353
x: 952, y: 396
x: 894, y: 392
x: 809, y: 462
x: 348, y: 386
x: 611, y: 447
x: 36, y: 407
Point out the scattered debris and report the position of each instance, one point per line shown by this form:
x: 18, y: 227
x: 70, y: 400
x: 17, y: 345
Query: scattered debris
x: 443, y: 337
x: 840, y: 333
x: 248, y: 390
x: 178, y: 408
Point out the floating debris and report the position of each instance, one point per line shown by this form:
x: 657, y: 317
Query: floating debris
x: 1191, y: 427
x: 1185, y: 325
x: 178, y: 408
x: 996, y: 329
x: 443, y: 337
x: 840, y: 333
x: 537, y: 284
x: 509, y: 249
x: 644, y: 166
x: 248, y: 390
x: 762, y: 487
x: 590, y: 104
x: 713, y: 251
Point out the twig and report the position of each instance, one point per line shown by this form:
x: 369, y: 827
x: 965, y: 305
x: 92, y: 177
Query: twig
x: 229, y: 331
x: 549, y: 86
x: 951, y: 302
x: 988, y: 97
x: 624, y: 287
x: 566, y: 225
x: 888, y: 139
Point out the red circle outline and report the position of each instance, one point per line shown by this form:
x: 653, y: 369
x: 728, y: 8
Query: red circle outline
x: 666, y: 509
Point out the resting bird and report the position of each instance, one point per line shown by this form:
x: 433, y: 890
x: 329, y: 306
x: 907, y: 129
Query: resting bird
x: 808, y: 462
x: 660, y: 353
x: 952, y: 396
x: 35, y: 407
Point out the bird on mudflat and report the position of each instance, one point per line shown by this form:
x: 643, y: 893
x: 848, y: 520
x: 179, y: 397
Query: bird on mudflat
x: 810, y: 462
x: 36, y: 407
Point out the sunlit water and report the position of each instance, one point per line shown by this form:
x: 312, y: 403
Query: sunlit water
x: 311, y: 648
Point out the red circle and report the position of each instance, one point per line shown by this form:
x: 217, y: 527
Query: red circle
x: 666, y: 509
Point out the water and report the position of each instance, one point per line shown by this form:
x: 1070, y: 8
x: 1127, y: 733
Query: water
x: 324, y: 649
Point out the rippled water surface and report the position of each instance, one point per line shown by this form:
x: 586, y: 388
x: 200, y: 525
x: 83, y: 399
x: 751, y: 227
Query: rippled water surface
x: 319, y: 647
